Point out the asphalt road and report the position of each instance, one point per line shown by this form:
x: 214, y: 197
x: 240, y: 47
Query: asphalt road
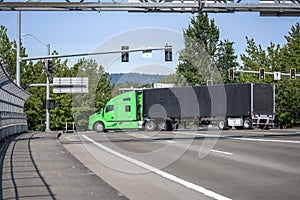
x: 36, y: 166
x: 186, y: 164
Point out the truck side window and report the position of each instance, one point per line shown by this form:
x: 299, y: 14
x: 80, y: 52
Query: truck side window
x: 109, y: 108
x: 127, y: 108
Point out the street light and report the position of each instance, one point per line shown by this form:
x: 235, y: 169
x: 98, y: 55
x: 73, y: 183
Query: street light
x: 47, y: 80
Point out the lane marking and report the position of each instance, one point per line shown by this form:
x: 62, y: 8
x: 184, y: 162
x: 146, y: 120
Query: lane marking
x: 194, y: 134
x: 242, y: 138
x: 223, y: 152
x: 263, y: 140
x: 166, y: 175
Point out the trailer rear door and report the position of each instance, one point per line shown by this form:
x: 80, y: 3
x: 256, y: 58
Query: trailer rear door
x: 263, y: 99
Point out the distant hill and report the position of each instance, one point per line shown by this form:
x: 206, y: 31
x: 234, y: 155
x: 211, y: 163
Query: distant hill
x: 122, y: 78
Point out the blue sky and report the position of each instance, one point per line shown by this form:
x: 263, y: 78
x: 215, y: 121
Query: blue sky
x: 76, y: 32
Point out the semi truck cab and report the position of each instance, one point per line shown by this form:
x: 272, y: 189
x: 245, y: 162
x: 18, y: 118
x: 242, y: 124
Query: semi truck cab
x: 121, y: 112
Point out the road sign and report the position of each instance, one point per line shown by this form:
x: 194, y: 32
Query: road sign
x: 277, y: 76
x: 70, y: 85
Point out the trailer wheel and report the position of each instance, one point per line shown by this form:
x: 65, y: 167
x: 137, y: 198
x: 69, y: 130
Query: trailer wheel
x: 150, y: 126
x: 99, y: 127
x: 247, y: 123
x: 170, y: 125
x: 222, y: 124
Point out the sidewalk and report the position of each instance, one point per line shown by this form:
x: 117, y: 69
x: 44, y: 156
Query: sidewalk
x: 36, y: 166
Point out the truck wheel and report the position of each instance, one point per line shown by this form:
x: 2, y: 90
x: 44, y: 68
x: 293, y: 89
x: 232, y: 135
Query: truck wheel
x: 222, y: 124
x: 170, y: 125
x: 99, y: 127
x: 150, y: 126
x: 247, y: 123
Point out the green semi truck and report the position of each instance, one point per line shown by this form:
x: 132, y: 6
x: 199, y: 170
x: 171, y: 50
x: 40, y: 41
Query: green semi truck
x: 231, y: 105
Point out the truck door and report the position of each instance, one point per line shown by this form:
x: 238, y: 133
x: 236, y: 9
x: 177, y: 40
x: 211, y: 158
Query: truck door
x: 109, y: 112
x: 125, y: 108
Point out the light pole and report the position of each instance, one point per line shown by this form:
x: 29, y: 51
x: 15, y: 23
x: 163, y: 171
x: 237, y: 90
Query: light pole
x: 47, y: 81
x: 18, y: 66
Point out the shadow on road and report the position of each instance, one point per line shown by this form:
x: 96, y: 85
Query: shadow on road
x: 21, y: 177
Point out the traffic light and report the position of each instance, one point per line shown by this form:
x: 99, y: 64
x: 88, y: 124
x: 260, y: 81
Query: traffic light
x: 168, y: 53
x: 230, y: 74
x: 292, y: 74
x: 50, y: 104
x: 262, y: 74
x: 50, y: 66
x: 125, y: 54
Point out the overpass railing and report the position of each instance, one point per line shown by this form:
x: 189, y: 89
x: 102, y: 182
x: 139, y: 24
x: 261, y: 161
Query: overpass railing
x: 12, y: 99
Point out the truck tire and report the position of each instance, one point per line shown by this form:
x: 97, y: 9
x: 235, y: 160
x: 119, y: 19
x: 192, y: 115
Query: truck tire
x: 150, y: 126
x: 99, y: 127
x: 170, y: 126
x: 222, y: 124
x: 247, y: 123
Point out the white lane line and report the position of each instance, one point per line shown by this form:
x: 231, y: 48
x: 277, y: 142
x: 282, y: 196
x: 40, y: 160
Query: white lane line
x: 263, y: 140
x: 194, y: 134
x: 242, y: 138
x: 170, y: 141
x: 166, y: 175
x: 223, y: 152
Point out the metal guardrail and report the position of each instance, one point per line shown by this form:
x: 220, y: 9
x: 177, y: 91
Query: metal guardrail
x: 12, y: 99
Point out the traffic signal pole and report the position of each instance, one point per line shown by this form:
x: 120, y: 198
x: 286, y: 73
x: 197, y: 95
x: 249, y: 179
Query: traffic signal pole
x: 258, y: 72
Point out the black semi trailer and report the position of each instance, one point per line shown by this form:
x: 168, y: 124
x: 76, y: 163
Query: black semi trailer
x: 231, y: 105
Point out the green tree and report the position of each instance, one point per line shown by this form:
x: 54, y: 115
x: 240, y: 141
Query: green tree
x: 7, y: 52
x: 288, y: 91
x: 63, y: 112
x: 204, y: 56
x: 35, y: 106
x: 280, y: 59
x: 175, y: 79
x: 99, y: 92
x: 70, y: 108
x: 226, y: 59
x: 256, y: 57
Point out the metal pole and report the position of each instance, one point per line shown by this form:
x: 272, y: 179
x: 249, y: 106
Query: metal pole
x: 18, y: 48
x: 47, y: 92
x: 47, y: 81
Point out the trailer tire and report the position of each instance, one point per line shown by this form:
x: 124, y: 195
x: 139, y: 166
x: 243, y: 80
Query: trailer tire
x: 170, y: 125
x: 99, y: 127
x: 222, y: 124
x: 247, y: 123
x: 150, y: 126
